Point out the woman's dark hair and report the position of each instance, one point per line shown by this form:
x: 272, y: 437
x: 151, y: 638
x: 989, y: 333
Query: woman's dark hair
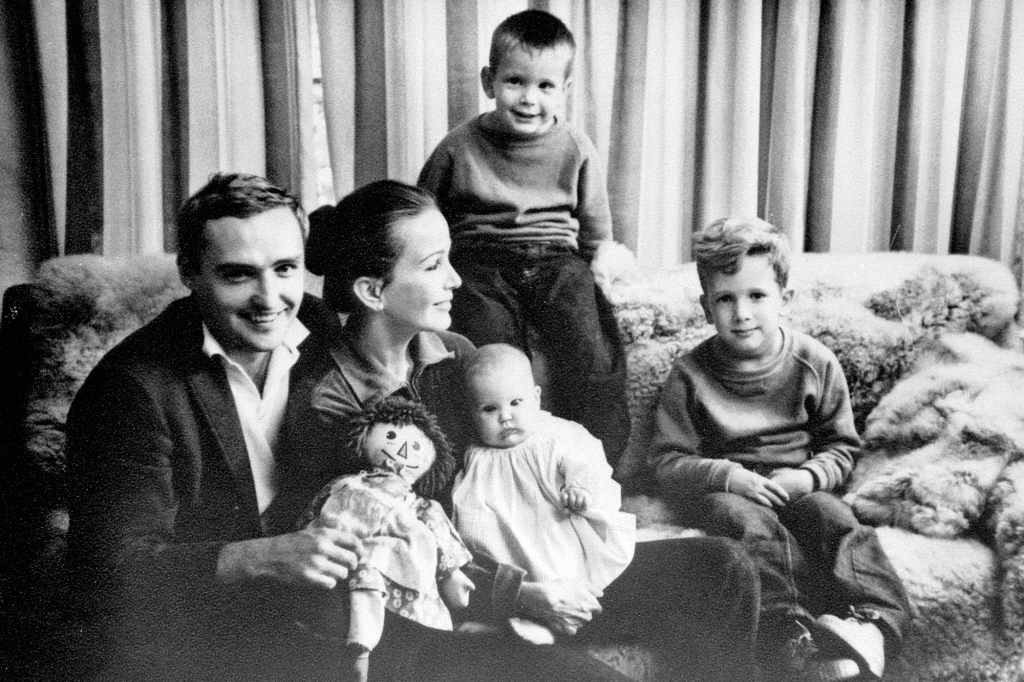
x: 227, y: 195
x: 355, y: 238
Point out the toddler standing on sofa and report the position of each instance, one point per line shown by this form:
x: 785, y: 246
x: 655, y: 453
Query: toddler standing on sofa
x: 524, y: 194
x: 754, y: 431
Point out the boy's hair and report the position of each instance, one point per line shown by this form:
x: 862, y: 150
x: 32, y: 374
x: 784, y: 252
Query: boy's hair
x: 531, y: 30
x: 492, y: 356
x: 227, y: 195
x: 722, y: 246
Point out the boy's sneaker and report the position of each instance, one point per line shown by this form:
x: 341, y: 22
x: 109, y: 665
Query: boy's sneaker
x: 787, y: 649
x: 858, y: 638
x: 810, y: 653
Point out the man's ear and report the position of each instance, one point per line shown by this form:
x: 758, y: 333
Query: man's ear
x: 487, y: 81
x: 370, y: 292
x: 707, y: 309
x: 186, y: 273
x: 537, y: 390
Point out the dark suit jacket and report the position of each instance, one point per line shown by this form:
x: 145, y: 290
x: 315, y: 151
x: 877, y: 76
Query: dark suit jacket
x: 160, y: 475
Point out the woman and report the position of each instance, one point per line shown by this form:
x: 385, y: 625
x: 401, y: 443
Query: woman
x: 383, y: 251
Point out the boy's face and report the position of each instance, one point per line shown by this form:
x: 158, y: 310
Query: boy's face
x: 745, y: 308
x: 528, y: 89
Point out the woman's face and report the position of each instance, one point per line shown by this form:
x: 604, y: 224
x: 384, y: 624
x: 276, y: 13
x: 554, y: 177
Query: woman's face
x: 418, y: 296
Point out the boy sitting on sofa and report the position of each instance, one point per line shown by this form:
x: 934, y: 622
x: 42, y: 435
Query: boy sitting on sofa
x: 753, y: 431
x: 524, y: 193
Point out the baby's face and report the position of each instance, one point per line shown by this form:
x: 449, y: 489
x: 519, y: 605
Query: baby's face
x: 406, y: 450
x: 506, y: 407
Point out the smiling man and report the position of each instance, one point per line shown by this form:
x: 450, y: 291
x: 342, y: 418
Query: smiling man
x: 171, y: 445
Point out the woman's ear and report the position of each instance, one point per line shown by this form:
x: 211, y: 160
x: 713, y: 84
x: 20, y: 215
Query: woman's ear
x: 369, y: 291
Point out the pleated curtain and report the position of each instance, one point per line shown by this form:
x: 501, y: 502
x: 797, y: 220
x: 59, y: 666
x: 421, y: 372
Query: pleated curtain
x: 855, y: 126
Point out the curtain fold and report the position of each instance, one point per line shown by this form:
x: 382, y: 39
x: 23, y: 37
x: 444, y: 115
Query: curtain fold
x: 854, y: 126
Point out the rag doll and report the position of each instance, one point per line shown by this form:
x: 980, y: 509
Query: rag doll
x: 412, y: 558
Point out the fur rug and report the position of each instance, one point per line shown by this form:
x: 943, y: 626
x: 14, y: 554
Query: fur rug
x: 85, y: 305
x: 944, y: 455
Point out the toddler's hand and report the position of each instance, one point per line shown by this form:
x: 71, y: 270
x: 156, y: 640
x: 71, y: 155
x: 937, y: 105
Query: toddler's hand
x: 576, y: 499
x: 757, y: 488
x: 796, y: 482
x: 613, y: 262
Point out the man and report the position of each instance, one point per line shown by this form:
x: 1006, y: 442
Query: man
x: 171, y: 449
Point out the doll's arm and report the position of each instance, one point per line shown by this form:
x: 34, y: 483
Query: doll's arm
x: 455, y: 589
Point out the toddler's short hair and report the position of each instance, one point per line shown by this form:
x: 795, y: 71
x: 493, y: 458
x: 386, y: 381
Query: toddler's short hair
x: 531, y: 30
x: 490, y: 357
x: 722, y: 246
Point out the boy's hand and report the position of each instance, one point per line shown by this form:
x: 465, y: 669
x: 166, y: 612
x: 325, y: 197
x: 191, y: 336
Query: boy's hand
x: 613, y: 262
x: 576, y: 499
x: 757, y: 488
x: 796, y: 482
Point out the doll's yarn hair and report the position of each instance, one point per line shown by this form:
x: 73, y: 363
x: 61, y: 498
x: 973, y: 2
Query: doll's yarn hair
x: 404, y: 412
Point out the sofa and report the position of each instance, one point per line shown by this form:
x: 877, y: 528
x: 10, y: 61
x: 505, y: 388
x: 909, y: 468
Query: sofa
x: 893, y: 319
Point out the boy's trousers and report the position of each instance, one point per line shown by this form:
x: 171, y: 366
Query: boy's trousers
x: 814, y: 557
x: 508, y: 289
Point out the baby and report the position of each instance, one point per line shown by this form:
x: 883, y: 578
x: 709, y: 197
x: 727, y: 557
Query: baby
x: 536, y: 490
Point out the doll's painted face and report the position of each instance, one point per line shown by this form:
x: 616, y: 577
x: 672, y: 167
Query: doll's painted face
x: 406, y: 450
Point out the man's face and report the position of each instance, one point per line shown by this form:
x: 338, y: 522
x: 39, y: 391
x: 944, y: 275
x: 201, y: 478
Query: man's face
x: 249, y: 281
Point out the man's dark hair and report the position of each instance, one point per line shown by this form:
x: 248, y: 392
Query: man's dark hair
x: 227, y: 195
x: 530, y: 30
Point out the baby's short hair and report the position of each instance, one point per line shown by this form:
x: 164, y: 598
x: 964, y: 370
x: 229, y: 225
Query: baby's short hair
x: 722, y: 246
x: 490, y: 357
x: 531, y: 30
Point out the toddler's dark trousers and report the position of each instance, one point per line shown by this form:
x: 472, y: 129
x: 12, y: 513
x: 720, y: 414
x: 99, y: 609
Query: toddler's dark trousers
x: 814, y: 557
x: 549, y: 288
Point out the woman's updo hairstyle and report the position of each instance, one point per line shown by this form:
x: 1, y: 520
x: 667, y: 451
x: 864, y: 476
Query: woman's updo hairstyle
x: 355, y: 238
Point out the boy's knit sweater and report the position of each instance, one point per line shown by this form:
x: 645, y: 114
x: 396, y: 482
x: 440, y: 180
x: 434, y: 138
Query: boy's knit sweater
x: 493, y: 186
x: 793, y: 412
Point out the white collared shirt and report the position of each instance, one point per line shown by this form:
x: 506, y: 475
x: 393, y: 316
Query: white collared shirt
x: 261, y: 415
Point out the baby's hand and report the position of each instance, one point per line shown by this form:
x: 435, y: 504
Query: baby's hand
x: 757, y: 488
x: 575, y: 498
x: 796, y: 482
x: 455, y: 589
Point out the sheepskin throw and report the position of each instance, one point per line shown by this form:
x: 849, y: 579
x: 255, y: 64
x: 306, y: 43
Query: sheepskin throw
x: 944, y: 454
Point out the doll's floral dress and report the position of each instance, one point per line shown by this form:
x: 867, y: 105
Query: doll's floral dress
x: 409, y: 543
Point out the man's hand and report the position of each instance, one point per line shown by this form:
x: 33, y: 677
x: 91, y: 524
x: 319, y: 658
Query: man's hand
x: 575, y: 498
x: 796, y: 482
x: 318, y: 557
x: 757, y: 488
x: 563, y: 608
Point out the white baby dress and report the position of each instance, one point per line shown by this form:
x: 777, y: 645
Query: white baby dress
x: 506, y: 504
